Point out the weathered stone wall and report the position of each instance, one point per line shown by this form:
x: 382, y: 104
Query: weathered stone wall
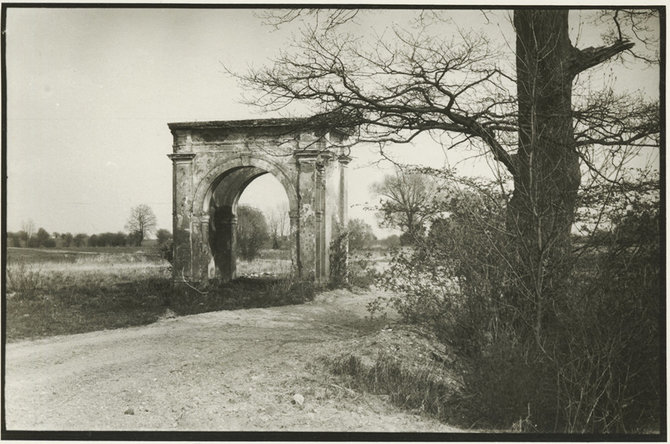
x: 213, y: 162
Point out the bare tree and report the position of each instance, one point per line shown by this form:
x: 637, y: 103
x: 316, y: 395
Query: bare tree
x: 141, y: 223
x: 406, y: 201
x: 28, y: 226
x: 278, y: 224
x: 413, y: 81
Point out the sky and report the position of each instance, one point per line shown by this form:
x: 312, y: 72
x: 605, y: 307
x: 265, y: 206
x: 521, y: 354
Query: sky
x: 90, y: 92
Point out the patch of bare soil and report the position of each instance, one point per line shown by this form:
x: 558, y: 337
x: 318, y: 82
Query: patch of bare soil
x: 243, y: 370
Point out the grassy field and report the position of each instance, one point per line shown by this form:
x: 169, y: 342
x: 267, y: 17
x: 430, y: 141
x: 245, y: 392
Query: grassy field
x: 65, y: 291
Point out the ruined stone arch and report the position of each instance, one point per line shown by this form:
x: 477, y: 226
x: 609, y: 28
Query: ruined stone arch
x: 213, y: 162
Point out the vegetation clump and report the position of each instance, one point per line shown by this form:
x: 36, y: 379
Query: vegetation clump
x: 70, y: 292
x: 589, y: 362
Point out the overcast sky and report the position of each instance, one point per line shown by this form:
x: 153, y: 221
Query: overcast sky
x: 90, y: 93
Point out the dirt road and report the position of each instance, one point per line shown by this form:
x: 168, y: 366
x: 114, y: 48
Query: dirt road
x: 224, y: 371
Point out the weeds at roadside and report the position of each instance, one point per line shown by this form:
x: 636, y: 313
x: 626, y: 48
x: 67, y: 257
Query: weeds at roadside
x: 362, y: 272
x: 242, y: 293
x: 422, y: 389
x: 52, y: 298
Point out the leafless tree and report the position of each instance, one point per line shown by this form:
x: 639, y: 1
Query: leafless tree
x: 278, y: 223
x: 141, y: 223
x: 28, y: 226
x: 406, y: 201
x: 416, y: 81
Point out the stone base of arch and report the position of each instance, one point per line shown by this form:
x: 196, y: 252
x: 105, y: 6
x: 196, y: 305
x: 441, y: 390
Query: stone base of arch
x: 213, y: 162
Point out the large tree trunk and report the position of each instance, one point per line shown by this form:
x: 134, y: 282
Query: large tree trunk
x: 547, y: 174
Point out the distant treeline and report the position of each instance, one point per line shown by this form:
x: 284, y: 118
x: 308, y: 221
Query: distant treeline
x: 43, y: 239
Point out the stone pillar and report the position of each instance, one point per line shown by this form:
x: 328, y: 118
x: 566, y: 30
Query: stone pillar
x: 343, y: 191
x: 294, y: 236
x: 322, y: 247
x: 182, y: 191
x: 306, y: 222
x: 339, y: 270
x: 228, y: 258
x: 313, y: 221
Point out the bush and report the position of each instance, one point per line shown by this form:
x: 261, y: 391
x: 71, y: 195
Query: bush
x: 360, y: 235
x: 339, y: 259
x: 24, y: 280
x: 165, y: 251
x: 361, y: 271
x: 452, y: 280
x: 252, y: 232
x: 595, y: 366
x: 423, y: 388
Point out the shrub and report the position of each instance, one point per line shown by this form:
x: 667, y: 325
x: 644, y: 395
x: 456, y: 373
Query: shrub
x: 594, y: 367
x: 360, y: 235
x: 361, y: 271
x: 24, y: 280
x: 252, y: 232
x: 339, y: 259
x: 165, y: 251
x: 421, y: 388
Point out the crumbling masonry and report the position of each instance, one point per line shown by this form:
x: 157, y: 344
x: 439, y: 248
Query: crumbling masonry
x: 213, y: 162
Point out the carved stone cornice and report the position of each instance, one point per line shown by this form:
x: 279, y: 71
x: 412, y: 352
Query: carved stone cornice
x: 181, y: 157
x: 313, y: 156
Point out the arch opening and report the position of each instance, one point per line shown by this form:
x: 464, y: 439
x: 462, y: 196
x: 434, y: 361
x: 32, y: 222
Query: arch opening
x: 222, y: 208
x: 264, y: 195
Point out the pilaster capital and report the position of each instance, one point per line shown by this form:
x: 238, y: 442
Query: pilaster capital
x: 313, y: 156
x: 344, y: 159
x: 181, y: 157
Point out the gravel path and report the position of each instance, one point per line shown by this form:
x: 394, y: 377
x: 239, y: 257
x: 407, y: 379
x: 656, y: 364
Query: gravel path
x: 255, y: 369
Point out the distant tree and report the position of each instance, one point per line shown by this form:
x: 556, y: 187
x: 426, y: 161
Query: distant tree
x: 141, y: 223
x: 13, y: 239
x: 111, y: 239
x: 80, y: 240
x: 29, y: 228
x: 278, y: 223
x: 406, y: 201
x: 392, y: 241
x: 105, y: 239
x: 360, y: 235
x: 120, y: 239
x: 252, y: 232
x: 163, y: 236
x: 93, y: 241
x: 23, y: 238
x: 67, y: 239
x: 44, y: 239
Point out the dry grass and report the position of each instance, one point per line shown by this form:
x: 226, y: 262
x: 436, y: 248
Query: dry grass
x: 51, y: 293
x: 264, y: 267
x: 405, y: 365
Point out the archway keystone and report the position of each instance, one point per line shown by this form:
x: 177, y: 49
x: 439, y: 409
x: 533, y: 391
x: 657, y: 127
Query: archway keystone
x: 213, y: 162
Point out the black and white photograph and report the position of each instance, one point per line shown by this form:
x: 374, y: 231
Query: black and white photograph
x: 388, y: 222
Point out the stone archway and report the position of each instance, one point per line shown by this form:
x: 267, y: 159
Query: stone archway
x: 213, y: 162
